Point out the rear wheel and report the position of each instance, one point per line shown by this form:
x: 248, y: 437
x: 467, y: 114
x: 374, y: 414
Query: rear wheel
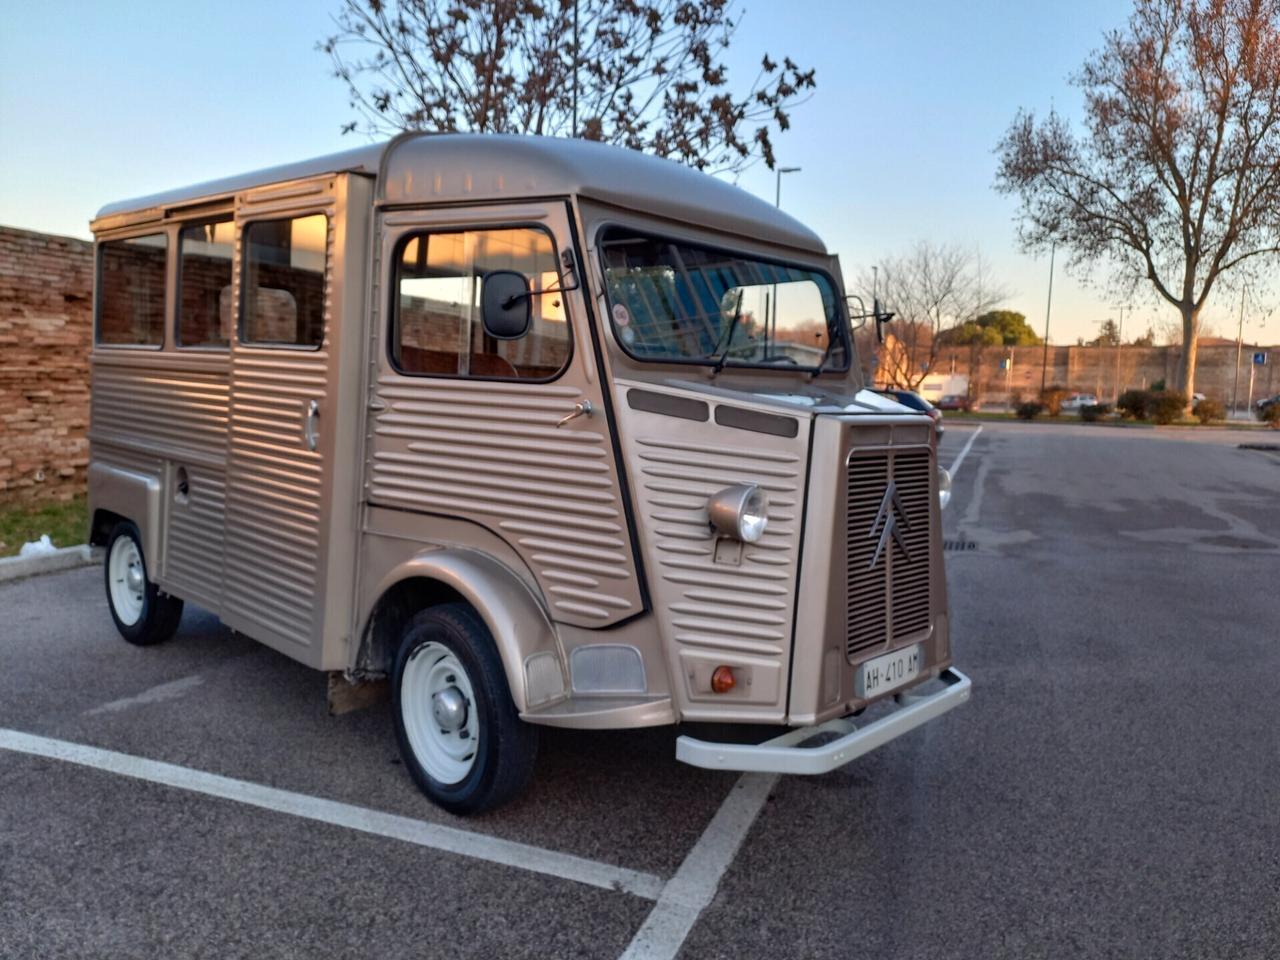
x: 457, y: 726
x: 143, y: 615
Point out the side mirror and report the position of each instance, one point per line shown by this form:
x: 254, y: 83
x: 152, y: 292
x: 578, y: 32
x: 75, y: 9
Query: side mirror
x: 882, y: 317
x: 859, y: 316
x: 505, y: 304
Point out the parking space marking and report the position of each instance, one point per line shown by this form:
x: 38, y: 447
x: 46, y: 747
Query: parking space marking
x: 157, y: 694
x: 432, y: 835
x: 964, y: 452
x: 692, y: 889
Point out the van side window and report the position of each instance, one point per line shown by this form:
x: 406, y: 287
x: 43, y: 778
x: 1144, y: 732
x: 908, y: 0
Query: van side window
x: 205, y: 251
x: 284, y: 265
x: 437, y: 327
x: 131, y: 276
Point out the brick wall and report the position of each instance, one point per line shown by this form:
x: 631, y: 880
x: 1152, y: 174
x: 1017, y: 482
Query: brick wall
x: 45, y: 336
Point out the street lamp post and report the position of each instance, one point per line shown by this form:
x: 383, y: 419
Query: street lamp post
x: 1235, y: 384
x: 1119, y: 344
x: 777, y: 192
x: 1044, y: 370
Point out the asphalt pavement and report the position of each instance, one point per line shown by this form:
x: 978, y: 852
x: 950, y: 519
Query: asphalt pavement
x: 1112, y: 789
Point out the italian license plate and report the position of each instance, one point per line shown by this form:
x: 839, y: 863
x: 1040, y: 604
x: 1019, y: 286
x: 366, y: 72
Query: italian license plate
x: 882, y: 674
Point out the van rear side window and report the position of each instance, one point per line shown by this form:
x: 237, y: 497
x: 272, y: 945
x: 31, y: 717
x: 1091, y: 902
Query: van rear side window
x: 205, y: 306
x: 284, y: 265
x: 131, y: 291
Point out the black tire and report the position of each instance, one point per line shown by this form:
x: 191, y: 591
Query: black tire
x: 506, y: 746
x: 160, y: 613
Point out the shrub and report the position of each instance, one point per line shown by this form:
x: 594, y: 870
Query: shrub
x: 1270, y: 414
x: 1207, y: 411
x: 1051, y: 399
x: 1134, y: 403
x: 1029, y: 411
x: 1167, y: 406
x: 1094, y: 412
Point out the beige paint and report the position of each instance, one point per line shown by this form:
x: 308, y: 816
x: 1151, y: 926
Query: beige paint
x: 432, y: 487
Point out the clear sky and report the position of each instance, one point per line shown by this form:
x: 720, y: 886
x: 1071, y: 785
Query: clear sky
x: 101, y: 101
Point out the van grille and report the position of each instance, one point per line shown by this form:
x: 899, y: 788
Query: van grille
x: 888, y: 571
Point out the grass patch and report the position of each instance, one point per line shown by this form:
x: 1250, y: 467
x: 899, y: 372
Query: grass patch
x: 67, y: 524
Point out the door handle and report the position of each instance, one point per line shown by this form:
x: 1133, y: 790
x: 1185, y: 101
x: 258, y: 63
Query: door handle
x: 310, y: 425
x: 582, y: 408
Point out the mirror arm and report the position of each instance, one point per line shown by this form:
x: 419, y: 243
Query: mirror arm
x: 570, y: 267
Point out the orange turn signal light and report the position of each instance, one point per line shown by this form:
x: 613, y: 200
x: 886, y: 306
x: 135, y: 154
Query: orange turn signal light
x: 722, y: 679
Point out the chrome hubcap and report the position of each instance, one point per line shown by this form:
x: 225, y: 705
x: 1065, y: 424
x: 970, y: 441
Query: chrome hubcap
x: 449, y: 707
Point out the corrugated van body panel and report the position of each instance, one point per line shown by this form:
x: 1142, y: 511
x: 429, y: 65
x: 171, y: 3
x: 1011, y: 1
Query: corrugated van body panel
x: 492, y: 452
x: 274, y: 505
x: 717, y: 600
x: 156, y: 413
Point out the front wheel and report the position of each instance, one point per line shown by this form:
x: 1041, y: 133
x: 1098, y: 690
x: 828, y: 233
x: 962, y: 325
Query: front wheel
x: 457, y: 726
x: 143, y: 615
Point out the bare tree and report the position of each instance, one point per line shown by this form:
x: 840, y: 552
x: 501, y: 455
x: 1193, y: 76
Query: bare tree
x: 930, y: 289
x: 646, y: 74
x: 1176, y: 180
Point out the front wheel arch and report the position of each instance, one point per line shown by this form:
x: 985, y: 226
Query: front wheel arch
x: 518, y: 623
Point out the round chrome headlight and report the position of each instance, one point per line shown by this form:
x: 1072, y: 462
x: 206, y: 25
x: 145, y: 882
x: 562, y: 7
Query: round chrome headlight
x: 740, y: 511
x: 944, y: 487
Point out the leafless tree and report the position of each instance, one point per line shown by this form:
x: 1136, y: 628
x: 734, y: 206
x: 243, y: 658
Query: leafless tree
x: 646, y: 74
x: 1176, y: 179
x: 930, y: 289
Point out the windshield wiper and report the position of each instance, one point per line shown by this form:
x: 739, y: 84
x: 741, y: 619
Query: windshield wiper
x: 833, y: 333
x: 723, y: 358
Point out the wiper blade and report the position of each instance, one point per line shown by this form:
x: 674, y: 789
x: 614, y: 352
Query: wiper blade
x: 723, y: 358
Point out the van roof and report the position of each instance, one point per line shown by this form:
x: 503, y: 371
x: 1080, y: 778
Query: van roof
x: 422, y: 168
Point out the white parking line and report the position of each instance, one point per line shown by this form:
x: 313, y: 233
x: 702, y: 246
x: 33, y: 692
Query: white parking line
x: 157, y: 694
x: 688, y: 893
x: 955, y: 467
x: 435, y: 836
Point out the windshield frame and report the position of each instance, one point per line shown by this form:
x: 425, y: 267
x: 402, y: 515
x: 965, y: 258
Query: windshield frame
x: 841, y: 324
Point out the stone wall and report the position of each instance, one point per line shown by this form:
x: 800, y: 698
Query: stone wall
x: 45, y: 336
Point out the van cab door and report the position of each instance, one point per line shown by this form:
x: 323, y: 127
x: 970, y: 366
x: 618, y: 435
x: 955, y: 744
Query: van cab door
x: 292, y: 464
x: 511, y: 435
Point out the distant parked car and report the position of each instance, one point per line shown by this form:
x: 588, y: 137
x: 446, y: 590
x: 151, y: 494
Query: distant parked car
x: 1260, y: 407
x: 1078, y: 401
x: 954, y: 401
x: 916, y: 402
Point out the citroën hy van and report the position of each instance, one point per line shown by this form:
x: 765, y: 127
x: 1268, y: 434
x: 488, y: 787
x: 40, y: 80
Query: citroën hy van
x: 547, y: 432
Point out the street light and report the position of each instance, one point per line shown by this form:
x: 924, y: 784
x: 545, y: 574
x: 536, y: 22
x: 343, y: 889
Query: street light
x: 777, y: 192
x: 1115, y: 398
x: 1048, y: 309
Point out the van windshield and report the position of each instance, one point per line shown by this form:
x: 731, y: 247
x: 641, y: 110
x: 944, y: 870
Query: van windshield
x: 677, y: 302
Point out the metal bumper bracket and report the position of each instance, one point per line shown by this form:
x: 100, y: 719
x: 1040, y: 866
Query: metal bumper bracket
x: 787, y: 754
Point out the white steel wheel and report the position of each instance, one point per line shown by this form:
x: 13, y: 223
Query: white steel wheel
x: 143, y: 615
x: 459, y: 732
x: 439, y: 712
x: 126, y: 580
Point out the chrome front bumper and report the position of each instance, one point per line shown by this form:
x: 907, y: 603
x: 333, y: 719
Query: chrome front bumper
x: 786, y: 754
